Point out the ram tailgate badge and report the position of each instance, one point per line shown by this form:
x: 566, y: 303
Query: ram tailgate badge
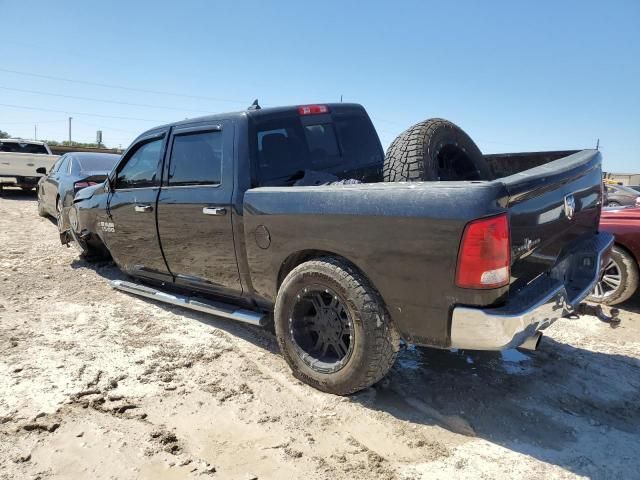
x: 569, y: 206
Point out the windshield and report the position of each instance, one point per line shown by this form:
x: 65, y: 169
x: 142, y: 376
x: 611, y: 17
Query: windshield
x: 345, y: 145
x: 16, y: 147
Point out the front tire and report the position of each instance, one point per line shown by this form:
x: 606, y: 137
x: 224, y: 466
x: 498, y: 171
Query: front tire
x: 333, y: 328
x: 619, y: 280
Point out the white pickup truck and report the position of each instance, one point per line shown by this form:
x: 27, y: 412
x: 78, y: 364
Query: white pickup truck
x: 19, y: 160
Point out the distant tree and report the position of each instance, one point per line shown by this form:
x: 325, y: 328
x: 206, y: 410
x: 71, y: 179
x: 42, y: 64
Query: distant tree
x: 55, y: 143
x: 80, y: 144
x: 4, y: 134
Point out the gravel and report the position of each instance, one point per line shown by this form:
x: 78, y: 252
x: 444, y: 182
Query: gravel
x: 95, y: 383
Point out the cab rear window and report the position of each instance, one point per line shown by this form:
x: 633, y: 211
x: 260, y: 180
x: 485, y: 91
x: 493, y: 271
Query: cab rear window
x: 345, y: 145
x: 16, y: 147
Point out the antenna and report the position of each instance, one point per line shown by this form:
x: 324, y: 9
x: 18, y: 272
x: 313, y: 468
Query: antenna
x: 598, y: 145
x: 254, y: 105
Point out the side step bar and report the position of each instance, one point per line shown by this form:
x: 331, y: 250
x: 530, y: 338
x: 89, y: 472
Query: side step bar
x: 201, y: 305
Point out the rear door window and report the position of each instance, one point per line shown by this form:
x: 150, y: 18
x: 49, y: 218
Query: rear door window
x: 56, y: 165
x: 196, y: 159
x: 64, y: 166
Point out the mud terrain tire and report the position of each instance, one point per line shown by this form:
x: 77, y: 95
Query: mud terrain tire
x: 432, y: 150
x: 375, y: 340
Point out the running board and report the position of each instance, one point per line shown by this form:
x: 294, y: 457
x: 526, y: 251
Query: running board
x: 201, y: 305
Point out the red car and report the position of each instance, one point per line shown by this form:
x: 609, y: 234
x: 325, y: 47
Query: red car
x: 620, y: 278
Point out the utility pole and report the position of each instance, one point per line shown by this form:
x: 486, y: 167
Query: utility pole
x: 70, y: 118
x: 35, y: 132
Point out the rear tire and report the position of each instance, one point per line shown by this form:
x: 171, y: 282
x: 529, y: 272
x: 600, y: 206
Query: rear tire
x: 620, y: 279
x: 41, y: 210
x: 432, y: 150
x: 373, y: 340
x: 59, y: 212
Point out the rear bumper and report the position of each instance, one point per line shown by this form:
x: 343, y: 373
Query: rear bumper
x: 18, y: 180
x: 536, y: 306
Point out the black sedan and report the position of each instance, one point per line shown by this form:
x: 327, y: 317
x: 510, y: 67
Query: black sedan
x: 71, y: 173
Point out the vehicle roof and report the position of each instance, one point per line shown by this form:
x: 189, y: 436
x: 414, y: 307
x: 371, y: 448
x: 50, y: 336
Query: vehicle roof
x: 625, y: 189
x: 91, y: 154
x: 266, y: 111
x: 22, y: 140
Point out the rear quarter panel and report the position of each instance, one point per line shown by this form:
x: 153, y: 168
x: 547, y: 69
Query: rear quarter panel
x: 403, y: 237
x: 625, y: 227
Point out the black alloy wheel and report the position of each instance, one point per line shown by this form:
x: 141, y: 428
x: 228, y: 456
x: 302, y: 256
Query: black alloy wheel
x: 321, y: 329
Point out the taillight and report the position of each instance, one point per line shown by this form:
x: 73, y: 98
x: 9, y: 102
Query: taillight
x: 484, y: 257
x: 312, y: 109
x: 79, y: 185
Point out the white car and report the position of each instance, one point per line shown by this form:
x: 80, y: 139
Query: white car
x: 24, y: 162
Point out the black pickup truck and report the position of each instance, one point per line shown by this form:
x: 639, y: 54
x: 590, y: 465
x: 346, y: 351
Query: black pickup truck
x: 291, y: 214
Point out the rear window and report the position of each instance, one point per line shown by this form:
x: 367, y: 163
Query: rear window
x: 343, y: 144
x: 96, y: 163
x: 16, y: 147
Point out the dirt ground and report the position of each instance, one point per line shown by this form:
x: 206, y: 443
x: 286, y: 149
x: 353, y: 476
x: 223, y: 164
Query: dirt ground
x: 95, y: 383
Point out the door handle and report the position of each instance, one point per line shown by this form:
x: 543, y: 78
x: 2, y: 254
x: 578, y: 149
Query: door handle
x: 143, y: 208
x: 214, y: 211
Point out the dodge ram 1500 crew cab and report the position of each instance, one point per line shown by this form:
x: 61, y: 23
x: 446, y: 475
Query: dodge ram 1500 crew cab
x: 260, y: 212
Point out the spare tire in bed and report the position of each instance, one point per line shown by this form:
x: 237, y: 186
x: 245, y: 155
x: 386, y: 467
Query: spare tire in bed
x: 434, y: 149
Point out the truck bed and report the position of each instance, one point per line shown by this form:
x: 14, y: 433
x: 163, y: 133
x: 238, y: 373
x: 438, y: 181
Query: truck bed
x: 406, y: 236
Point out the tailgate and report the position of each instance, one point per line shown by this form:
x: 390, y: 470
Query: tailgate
x: 24, y: 164
x: 551, y: 207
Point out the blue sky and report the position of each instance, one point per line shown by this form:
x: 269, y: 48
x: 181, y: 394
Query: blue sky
x: 517, y: 76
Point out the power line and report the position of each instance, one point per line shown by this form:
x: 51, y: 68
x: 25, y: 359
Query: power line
x: 32, y: 122
x: 122, y: 87
x: 84, y: 113
x: 146, y: 105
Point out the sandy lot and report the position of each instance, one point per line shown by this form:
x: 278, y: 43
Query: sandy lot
x: 95, y: 383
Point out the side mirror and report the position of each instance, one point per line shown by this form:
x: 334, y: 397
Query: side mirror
x: 41, y: 170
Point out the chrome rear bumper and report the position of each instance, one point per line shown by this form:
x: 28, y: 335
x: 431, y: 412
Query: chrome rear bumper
x: 536, y: 306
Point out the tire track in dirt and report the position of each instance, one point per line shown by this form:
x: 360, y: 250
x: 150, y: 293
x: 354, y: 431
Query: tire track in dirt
x: 143, y: 390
